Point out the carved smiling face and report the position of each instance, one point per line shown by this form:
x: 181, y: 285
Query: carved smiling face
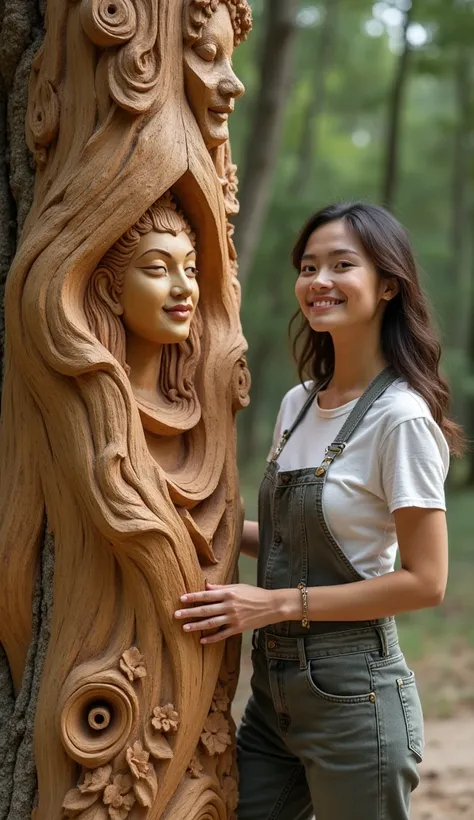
x: 210, y: 82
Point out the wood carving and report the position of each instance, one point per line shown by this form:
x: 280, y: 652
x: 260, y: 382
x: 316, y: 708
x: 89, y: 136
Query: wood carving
x: 118, y: 414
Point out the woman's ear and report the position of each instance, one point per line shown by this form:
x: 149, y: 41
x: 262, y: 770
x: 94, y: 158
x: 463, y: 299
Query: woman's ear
x: 390, y: 289
x: 106, y: 291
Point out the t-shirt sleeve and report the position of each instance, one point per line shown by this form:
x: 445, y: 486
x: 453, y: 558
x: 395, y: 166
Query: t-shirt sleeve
x: 415, y: 463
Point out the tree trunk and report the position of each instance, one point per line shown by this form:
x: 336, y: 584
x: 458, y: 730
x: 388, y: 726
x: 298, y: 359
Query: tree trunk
x: 391, y: 162
x: 141, y: 494
x: 265, y: 131
x: 308, y: 149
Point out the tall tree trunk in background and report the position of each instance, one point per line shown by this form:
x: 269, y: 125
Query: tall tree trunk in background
x: 261, y: 155
x: 391, y: 161
x: 309, y: 134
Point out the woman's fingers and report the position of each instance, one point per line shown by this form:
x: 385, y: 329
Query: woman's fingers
x: 209, y: 623
x: 208, y: 611
x: 207, y: 595
x: 219, y: 636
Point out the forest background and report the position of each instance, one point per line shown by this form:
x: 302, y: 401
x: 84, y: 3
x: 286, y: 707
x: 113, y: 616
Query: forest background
x: 350, y: 99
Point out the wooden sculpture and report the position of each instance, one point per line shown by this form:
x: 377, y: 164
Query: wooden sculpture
x: 124, y: 368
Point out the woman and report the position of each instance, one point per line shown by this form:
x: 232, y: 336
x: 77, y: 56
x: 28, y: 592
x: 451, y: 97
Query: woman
x: 334, y: 725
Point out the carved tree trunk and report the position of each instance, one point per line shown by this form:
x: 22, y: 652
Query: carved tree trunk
x: 113, y: 505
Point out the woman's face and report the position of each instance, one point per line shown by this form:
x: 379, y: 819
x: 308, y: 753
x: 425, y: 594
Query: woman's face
x: 338, y: 286
x: 211, y: 85
x: 160, y: 290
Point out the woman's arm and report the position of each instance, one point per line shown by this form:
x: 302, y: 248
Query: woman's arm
x: 421, y: 582
x: 249, y: 542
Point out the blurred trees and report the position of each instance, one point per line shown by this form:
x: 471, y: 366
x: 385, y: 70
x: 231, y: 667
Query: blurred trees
x: 381, y: 108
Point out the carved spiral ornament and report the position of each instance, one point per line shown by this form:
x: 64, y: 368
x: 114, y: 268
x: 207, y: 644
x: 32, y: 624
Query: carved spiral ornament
x: 133, y: 76
x: 109, y: 22
x: 240, y: 384
x: 208, y: 805
x: 96, y: 722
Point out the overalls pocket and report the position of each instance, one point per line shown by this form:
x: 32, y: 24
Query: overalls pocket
x: 413, y: 714
x: 341, y: 679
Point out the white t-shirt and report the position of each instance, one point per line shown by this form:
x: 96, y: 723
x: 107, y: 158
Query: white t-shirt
x: 396, y: 457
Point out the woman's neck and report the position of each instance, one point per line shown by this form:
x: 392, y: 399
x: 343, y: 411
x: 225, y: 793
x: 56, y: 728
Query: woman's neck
x: 144, y: 360
x: 356, y: 363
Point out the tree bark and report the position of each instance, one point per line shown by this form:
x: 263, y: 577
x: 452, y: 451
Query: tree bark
x: 394, y: 118
x: 267, y: 119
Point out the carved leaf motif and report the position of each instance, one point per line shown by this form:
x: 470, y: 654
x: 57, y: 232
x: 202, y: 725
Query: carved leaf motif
x: 132, y: 665
x: 119, y: 797
x: 220, y: 701
x: 231, y: 792
x: 215, y: 736
x: 159, y: 747
x: 195, y: 767
x: 75, y: 802
x: 95, y: 781
x: 137, y: 759
x: 146, y: 788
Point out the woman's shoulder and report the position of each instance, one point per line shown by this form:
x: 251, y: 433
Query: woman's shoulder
x: 401, y: 402
x: 401, y: 405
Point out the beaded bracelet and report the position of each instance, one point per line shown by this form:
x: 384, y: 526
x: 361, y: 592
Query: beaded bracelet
x: 304, y: 600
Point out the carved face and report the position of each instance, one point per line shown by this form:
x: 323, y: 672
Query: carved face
x: 211, y: 85
x: 160, y: 290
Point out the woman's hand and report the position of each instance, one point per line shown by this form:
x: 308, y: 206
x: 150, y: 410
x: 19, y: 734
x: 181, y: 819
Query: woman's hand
x: 231, y: 609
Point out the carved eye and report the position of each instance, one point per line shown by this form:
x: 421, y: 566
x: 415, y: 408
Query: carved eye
x: 191, y: 271
x: 156, y: 270
x: 206, y: 52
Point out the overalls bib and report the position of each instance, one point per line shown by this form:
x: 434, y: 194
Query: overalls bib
x: 334, y: 725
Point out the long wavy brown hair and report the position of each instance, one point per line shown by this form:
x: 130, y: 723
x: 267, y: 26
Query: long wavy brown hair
x: 410, y: 342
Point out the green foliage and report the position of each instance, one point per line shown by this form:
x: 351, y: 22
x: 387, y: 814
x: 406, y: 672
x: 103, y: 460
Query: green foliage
x: 354, y: 79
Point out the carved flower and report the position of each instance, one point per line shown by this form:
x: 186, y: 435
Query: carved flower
x: 119, y: 797
x: 145, y: 785
x: 95, y: 781
x: 195, y: 768
x: 131, y: 664
x: 215, y: 735
x: 137, y: 759
x: 231, y: 792
x: 220, y: 700
x: 165, y: 719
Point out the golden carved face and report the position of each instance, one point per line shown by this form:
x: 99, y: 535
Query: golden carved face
x: 160, y: 290
x: 211, y: 85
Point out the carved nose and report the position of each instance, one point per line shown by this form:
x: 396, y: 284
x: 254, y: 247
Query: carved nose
x: 231, y: 86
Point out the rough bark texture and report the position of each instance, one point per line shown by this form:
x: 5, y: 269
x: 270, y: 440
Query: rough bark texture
x: 129, y: 715
x: 267, y: 118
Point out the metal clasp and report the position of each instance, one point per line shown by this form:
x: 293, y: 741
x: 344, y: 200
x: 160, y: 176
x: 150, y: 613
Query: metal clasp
x: 330, y: 454
x: 284, y: 438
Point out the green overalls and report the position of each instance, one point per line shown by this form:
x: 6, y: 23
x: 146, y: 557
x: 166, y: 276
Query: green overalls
x: 334, y: 726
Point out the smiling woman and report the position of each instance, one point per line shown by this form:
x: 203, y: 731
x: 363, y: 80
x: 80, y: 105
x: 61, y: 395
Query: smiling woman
x: 356, y: 474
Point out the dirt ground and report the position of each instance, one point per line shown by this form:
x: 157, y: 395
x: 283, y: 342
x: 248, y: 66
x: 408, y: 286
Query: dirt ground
x: 446, y: 791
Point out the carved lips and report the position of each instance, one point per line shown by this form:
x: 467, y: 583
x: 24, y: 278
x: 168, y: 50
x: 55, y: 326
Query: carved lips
x: 180, y: 313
